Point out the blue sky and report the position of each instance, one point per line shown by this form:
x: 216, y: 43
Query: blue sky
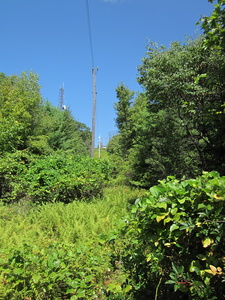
x: 51, y: 38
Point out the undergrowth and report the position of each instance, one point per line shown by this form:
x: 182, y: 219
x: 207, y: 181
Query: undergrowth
x: 76, y: 222
x: 167, y: 244
x: 60, y: 251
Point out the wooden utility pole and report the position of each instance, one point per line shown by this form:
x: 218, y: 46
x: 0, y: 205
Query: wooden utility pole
x: 93, y: 110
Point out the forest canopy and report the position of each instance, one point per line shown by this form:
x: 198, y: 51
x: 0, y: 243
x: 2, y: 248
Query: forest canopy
x: 176, y: 125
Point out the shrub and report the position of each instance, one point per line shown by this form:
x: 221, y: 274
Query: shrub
x: 57, y: 177
x: 175, y: 240
x: 60, y: 271
x: 57, y: 271
x: 12, y: 168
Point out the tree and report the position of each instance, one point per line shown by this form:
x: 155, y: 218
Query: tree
x: 183, y: 81
x: 214, y: 27
x: 20, y: 100
x: 176, y: 126
x: 123, y: 119
x: 26, y: 122
x: 58, y: 130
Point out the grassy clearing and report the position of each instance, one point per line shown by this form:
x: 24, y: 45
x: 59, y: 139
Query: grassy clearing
x: 76, y: 222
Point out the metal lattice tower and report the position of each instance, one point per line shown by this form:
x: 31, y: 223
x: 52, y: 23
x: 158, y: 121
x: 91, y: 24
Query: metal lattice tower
x: 61, y: 98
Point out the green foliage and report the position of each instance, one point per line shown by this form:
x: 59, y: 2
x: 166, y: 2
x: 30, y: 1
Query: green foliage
x: 12, y: 168
x: 214, y: 27
x: 195, y: 108
x: 101, y: 153
x: 122, y: 107
x: 174, y: 240
x: 58, y: 271
x: 120, y: 173
x: 57, y: 177
x: 57, y: 130
x: 26, y: 122
x: 123, y: 120
x: 75, y: 222
x: 19, y: 102
x: 58, y: 251
x: 171, y: 245
x: 176, y: 126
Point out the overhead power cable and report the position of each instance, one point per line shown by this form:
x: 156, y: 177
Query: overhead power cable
x: 89, y: 33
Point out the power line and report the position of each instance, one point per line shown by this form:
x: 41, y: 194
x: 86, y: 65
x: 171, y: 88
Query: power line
x: 89, y: 33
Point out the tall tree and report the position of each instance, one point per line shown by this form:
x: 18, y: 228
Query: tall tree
x: 26, y: 122
x: 176, y: 126
x: 58, y: 130
x: 123, y: 119
x: 184, y: 79
x: 20, y: 100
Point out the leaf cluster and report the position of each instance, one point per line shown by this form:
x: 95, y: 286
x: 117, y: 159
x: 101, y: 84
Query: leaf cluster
x: 214, y: 27
x: 174, y: 240
x: 58, y: 177
x: 57, y: 271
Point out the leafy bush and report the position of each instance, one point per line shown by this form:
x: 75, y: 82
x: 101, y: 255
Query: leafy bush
x: 58, y: 271
x: 175, y: 239
x: 12, y: 167
x: 62, y: 271
x: 57, y: 177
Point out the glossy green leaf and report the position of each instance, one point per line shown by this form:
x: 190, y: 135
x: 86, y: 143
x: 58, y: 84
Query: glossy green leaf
x: 173, y: 227
x: 162, y: 205
x: 174, y: 210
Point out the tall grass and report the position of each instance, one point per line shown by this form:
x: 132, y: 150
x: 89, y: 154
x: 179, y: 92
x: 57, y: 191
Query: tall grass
x: 76, y: 222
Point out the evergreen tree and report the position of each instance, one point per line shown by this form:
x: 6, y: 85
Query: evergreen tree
x: 123, y: 119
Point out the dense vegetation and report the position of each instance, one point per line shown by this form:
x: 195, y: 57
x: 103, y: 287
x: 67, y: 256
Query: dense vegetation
x: 176, y: 126
x: 146, y: 221
x: 29, y: 123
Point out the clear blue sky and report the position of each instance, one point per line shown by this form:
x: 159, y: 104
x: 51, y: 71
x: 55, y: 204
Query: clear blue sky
x: 51, y: 38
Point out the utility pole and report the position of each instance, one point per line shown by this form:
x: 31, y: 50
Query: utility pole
x: 100, y: 145
x: 93, y: 110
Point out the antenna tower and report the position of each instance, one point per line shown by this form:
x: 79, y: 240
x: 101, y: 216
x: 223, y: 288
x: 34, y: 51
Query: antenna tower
x: 61, y: 98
